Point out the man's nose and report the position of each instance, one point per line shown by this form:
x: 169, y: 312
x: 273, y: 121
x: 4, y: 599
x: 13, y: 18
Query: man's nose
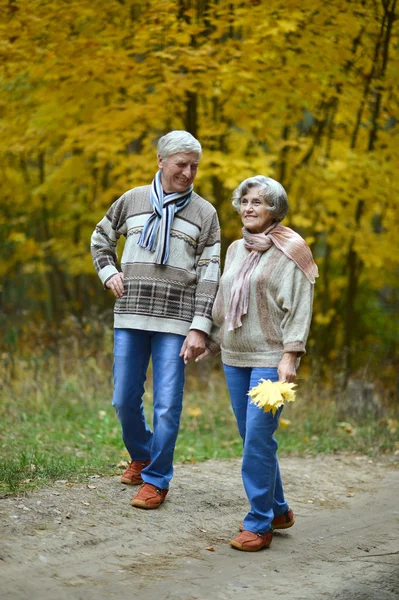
x: 187, y: 171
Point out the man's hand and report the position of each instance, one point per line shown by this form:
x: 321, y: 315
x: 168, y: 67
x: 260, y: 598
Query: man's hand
x: 115, y: 283
x: 286, y: 368
x: 193, y: 345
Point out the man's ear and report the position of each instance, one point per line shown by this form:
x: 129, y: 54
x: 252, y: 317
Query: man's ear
x: 160, y: 162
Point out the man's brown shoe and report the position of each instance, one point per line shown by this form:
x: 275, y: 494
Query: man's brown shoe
x: 132, y: 475
x: 149, y: 496
x: 284, y: 521
x: 252, y: 542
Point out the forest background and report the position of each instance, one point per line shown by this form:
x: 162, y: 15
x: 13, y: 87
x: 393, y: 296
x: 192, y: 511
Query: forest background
x: 304, y: 92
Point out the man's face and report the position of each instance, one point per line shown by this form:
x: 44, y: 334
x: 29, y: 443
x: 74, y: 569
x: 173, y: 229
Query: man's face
x: 178, y: 171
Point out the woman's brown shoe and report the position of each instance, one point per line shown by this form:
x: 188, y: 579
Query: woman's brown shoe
x: 149, y: 496
x: 132, y: 475
x: 248, y: 541
x: 283, y: 521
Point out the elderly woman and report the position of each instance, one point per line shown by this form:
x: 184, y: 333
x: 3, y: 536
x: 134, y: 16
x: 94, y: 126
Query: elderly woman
x: 262, y: 315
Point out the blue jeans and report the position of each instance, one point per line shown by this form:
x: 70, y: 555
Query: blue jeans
x: 132, y: 351
x: 260, y: 469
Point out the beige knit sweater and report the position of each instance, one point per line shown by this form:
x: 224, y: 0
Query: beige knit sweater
x: 279, y: 314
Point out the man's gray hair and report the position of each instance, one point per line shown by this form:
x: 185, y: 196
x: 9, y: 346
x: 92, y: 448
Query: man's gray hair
x: 270, y: 190
x: 178, y: 141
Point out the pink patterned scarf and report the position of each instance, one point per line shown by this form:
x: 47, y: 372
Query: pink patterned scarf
x: 286, y: 240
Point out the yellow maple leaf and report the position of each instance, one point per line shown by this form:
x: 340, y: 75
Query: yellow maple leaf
x: 271, y: 395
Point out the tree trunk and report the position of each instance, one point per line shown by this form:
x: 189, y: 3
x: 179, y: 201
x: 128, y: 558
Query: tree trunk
x: 353, y: 262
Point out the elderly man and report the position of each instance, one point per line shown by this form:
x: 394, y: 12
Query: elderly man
x: 164, y: 297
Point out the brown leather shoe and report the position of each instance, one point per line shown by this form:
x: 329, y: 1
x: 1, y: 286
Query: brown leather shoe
x: 283, y: 521
x: 132, y: 475
x: 248, y: 541
x: 149, y: 496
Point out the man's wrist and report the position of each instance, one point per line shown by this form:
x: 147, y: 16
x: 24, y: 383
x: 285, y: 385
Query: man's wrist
x: 200, y: 332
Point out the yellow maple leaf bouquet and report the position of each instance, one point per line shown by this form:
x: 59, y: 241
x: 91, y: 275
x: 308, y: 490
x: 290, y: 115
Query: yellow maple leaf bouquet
x: 270, y: 395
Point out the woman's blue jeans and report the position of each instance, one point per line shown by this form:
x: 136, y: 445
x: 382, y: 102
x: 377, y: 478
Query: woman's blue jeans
x: 260, y: 469
x: 132, y: 351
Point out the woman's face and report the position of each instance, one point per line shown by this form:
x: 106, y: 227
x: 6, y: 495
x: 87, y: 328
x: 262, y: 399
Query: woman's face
x: 254, y: 214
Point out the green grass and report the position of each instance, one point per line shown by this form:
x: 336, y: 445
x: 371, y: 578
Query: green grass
x: 57, y: 422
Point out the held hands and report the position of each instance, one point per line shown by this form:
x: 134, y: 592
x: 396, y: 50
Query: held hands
x: 115, y: 283
x: 286, y: 369
x: 205, y: 354
x: 193, y: 345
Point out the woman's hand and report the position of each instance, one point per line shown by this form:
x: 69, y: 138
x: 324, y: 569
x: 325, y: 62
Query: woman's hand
x: 205, y: 354
x: 286, y: 369
x: 116, y: 284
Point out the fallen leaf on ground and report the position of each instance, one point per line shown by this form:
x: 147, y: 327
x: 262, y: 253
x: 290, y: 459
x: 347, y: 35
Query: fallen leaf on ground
x: 194, y: 411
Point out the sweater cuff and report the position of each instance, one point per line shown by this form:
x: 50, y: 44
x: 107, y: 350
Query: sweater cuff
x: 202, y: 324
x: 212, y: 346
x: 298, y: 347
x: 106, y: 273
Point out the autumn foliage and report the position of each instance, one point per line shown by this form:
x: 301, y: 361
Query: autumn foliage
x: 302, y: 91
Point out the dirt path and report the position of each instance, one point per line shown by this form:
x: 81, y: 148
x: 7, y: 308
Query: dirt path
x: 85, y: 542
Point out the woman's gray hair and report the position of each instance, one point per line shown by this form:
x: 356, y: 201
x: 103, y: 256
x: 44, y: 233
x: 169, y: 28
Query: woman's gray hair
x: 270, y: 190
x: 178, y: 141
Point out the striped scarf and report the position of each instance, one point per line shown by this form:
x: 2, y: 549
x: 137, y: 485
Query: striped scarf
x: 156, y: 231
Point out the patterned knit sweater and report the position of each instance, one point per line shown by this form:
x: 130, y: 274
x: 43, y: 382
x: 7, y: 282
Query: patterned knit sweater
x: 171, y: 298
x: 279, y: 313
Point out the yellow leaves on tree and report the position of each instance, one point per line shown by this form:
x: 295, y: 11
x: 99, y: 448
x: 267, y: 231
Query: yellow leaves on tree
x: 306, y: 96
